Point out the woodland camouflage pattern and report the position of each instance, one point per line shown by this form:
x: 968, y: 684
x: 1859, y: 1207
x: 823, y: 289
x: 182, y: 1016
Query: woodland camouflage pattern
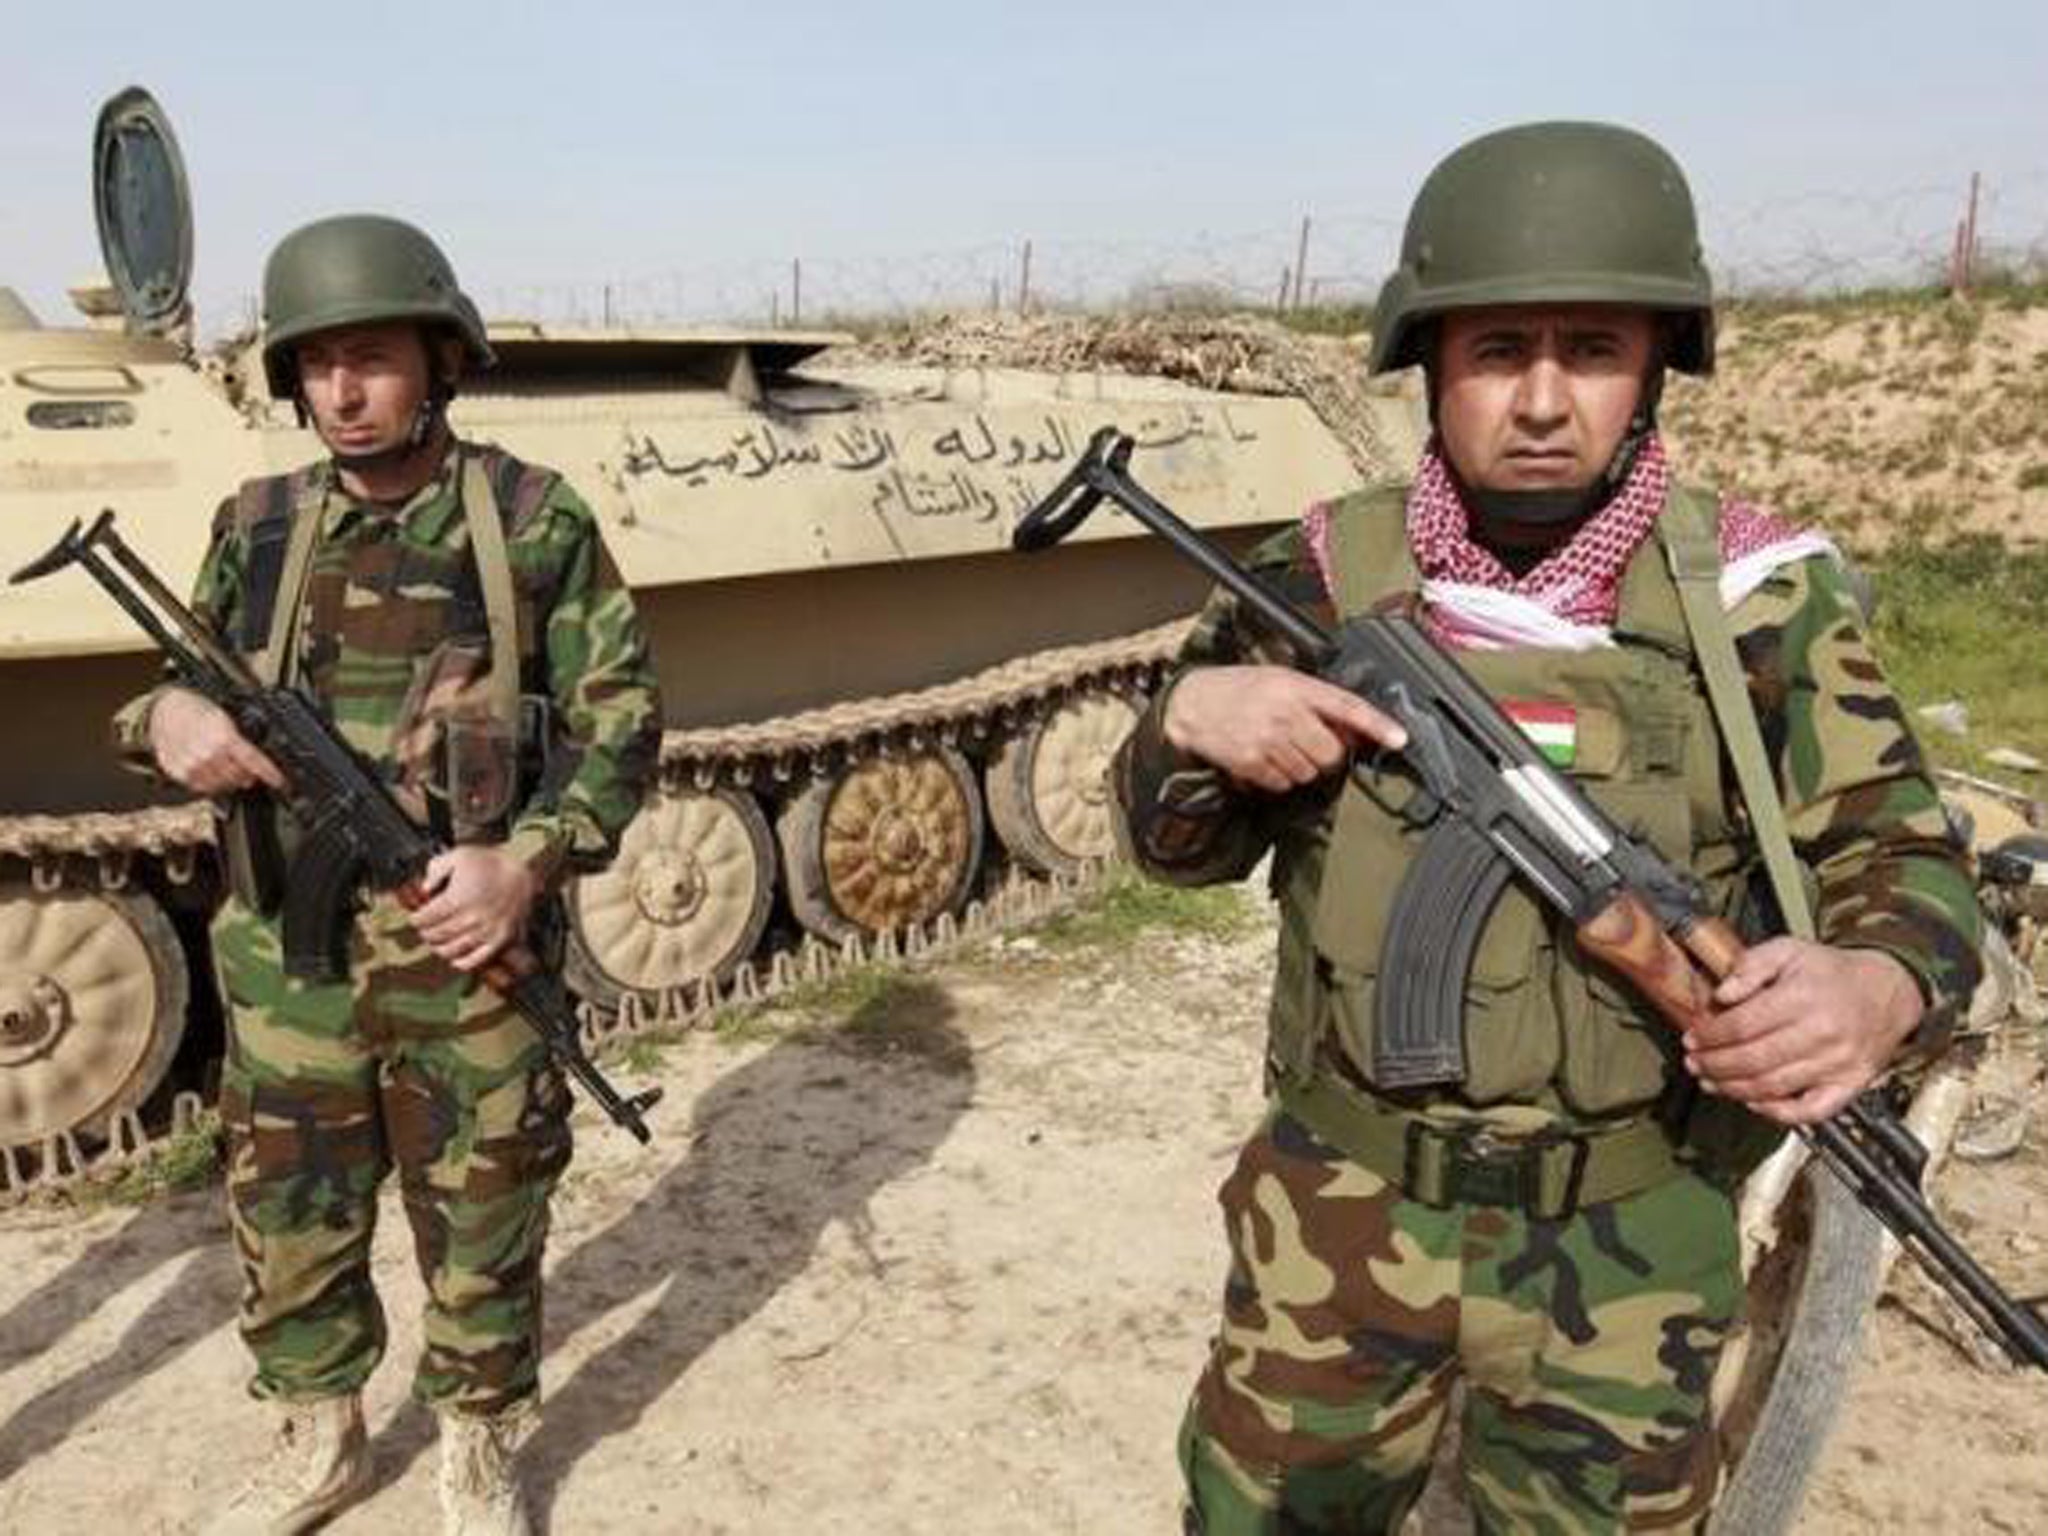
x: 411, y: 1065
x: 1349, y: 1312
x: 325, y: 1089
x: 1586, y: 1343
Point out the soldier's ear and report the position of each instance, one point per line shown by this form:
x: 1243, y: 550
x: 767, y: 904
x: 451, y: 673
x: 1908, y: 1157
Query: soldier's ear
x: 300, y: 410
x: 1429, y: 346
x: 445, y: 357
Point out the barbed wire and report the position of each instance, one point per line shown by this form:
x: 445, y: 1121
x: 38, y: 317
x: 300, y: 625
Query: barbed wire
x: 1811, y: 244
x: 1829, y: 242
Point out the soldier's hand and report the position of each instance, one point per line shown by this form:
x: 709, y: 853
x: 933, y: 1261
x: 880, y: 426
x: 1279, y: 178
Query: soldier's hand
x: 197, y: 745
x: 479, y: 898
x: 1802, y: 1028
x: 1272, y: 727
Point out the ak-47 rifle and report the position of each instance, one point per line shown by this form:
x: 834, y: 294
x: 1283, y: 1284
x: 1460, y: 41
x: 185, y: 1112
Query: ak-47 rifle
x: 355, y: 835
x: 1496, y: 809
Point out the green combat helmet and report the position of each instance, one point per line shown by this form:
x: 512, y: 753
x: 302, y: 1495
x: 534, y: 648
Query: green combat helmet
x: 358, y: 269
x: 1550, y: 213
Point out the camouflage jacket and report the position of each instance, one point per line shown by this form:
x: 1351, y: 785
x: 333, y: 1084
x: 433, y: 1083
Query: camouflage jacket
x: 1867, y: 821
x: 383, y: 628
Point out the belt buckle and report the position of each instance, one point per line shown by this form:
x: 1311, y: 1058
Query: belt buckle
x: 1510, y: 1172
x: 1489, y: 1169
x: 1483, y: 1146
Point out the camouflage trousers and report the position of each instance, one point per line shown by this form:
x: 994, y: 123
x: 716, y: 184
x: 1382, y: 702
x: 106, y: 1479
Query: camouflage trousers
x: 326, y: 1088
x: 1585, y: 1346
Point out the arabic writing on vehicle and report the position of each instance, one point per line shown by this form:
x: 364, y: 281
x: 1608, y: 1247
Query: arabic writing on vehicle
x: 860, y: 447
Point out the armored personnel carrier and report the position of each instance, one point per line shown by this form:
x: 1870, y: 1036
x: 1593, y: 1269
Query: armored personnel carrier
x: 873, y: 705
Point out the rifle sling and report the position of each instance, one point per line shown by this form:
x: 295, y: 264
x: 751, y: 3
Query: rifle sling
x: 273, y: 662
x: 494, y: 571
x: 1692, y: 548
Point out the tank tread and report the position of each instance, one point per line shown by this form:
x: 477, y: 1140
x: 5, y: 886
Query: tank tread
x: 57, y: 848
x: 790, y: 746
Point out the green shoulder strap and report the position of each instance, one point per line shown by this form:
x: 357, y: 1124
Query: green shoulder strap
x: 494, y: 570
x: 1691, y: 532
x: 309, y: 509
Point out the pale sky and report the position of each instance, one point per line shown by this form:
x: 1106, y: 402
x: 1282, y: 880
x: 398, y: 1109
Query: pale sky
x: 685, y: 153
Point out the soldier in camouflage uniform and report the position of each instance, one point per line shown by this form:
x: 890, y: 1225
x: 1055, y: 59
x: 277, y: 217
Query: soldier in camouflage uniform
x: 393, y: 581
x: 1556, y: 1230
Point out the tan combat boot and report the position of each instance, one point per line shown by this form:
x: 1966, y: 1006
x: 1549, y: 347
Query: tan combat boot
x: 319, y: 1464
x: 480, y: 1492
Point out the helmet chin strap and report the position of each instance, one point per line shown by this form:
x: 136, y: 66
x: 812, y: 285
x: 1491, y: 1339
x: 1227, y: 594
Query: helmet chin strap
x: 1557, y: 506
x: 427, y: 418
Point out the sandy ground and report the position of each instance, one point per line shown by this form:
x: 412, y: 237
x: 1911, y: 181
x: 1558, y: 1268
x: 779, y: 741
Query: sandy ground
x: 944, y: 1262
x: 1875, y: 421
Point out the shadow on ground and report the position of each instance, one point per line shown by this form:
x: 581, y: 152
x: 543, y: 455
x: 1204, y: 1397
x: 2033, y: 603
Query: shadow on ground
x: 780, y: 1148
x: 190, y: 1231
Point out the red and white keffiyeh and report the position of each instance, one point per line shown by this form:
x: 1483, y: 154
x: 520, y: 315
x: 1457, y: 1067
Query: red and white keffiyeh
x: 1569, y: 600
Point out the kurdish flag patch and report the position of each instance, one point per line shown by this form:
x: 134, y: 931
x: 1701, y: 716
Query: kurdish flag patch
x: 1554, y: 728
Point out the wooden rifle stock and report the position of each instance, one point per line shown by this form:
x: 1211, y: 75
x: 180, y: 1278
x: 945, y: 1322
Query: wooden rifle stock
x: 1675, y: 976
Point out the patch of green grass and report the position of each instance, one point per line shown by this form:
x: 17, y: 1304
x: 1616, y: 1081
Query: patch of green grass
x: 906, y: 1015
x: 1129, y: 906
x: 848, y: 992
x: 643, y: 1053
x: 189, y: 1160
x: 795, y: 1010
x: 843, y: 995
x: 1961, y: 620
x: 751, y: 1022
x: 1762, y: 307
x: 891, y: 1010
x: 2013, y: 289
x: 872, y: 1010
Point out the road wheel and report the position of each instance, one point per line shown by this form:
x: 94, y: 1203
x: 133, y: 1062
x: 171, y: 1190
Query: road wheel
x: 93, y: 991
x: 1048, y: 784
x: 684, y: 902
x: 886, y: 843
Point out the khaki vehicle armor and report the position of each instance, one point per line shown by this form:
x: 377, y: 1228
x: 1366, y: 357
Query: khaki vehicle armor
x: 876, y: 710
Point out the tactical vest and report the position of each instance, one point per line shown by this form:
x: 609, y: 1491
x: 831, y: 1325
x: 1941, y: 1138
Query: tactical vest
x: 1633, y: 725
x: 467, y: 732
